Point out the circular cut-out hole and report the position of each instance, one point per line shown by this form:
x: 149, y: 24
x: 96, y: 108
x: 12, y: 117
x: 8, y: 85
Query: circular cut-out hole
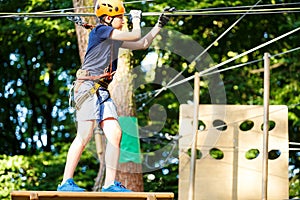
x: 220, y: 125
x: 274, y: 154
x: 247, y: 125
x: 198, y: 153
x: 272, y: 125
x: 201, y: 125
x: 252, y: 154
x: 216, y: 153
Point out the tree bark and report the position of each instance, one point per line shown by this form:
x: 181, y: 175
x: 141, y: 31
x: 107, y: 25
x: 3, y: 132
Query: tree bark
x: 82, y: 33
x: 122, y: 93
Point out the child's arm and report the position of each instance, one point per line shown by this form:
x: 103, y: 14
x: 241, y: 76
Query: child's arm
x: 146, y: 41
x: 133, y: 35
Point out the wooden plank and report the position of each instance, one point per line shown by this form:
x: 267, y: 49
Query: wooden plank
x: 241, y: 174
x: 34, y: 196
x: 54, y: 195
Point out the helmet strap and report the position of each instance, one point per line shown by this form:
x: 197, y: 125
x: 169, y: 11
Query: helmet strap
x: 111, y: 21
x: 102, y: 19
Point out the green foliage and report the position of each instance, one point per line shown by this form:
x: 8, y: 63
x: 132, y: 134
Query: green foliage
x: 164, y: 180
x: 43, y: 172
x: 242, y: 85
x: 39, y: 58
x: 294, y: 187
x: 29, y: 173
x: 35, y: 78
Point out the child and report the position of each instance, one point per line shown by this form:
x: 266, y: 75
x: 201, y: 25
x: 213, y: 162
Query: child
x: 93, y: 103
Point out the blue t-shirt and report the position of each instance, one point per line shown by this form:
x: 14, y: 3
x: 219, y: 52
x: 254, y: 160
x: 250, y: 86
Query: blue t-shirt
x: 99, y: 51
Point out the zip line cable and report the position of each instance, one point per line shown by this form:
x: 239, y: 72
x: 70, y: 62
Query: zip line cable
x: 242, y: 7
x: 228, y: 9
x: 234, y: 58
x: 199, y: 56
x: 169, y: 85
x: 207, y: 11
x: 143, y: 96
x: 214, y: 11
x: 289, y: 51
x: 60, y: 12
x: 205, y: 50
x: 234, y: 67
x: 146, y: 14
x: 201, y: 9
x: 251, y: 62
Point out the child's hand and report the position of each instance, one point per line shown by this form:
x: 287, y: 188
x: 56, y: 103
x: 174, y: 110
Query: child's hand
x: 162, y: 20
x: 136, y: 14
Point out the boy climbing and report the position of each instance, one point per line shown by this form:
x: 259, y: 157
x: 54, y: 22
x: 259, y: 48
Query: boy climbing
x: 92, y: 99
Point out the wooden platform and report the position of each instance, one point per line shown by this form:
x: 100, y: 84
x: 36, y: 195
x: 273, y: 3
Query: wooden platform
x: 54, y: 195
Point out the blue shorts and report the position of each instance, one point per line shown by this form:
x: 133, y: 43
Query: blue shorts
x: 96, y: 107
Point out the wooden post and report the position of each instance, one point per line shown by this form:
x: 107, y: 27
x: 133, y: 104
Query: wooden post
x: 151, y: 197
x: 266, y: 126
x: 33, y: 196
x: 98, y: 139
x: 100, y: 146
x: 195, y: 131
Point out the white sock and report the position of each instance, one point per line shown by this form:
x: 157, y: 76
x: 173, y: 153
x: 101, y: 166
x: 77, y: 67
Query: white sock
x: 107, y: 186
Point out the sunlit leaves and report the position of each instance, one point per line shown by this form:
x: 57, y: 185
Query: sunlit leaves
x: 37, y: 51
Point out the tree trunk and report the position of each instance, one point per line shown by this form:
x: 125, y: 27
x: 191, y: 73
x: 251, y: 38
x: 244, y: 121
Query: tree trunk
x: 82, y: 33
x: 122, y: 93
x: 129, y: 173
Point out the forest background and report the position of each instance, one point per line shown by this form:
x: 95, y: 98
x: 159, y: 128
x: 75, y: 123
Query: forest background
x: 39, y: 58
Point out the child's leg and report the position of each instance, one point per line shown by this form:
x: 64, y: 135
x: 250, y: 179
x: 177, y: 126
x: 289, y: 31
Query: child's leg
x: 113, y: 133
x: 84, y: 134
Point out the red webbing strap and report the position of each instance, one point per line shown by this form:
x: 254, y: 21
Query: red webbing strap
x: 95, y: 78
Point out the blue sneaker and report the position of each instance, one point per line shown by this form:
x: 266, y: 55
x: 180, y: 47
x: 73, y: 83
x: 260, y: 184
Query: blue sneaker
x: 117, y: 187
x: 70, y: 186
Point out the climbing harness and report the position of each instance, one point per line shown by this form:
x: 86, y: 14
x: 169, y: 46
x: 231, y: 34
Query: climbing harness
x: 100, y: 81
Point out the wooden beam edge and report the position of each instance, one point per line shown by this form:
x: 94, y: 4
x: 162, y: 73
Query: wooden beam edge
x: 92, y: 194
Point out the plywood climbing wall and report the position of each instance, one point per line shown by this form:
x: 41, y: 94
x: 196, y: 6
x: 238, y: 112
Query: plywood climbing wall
x: 229, y: 150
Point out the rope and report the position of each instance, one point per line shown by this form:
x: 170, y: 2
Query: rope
x: 144, y: 95
x: 241, y: 7
x: 146, y: 14
x: 201, y: 9
x: 205, y: 50
x: 234, y: 58
x: 206, y: 72
x: 251, y: 62
x: 227, y: 12
x: 197, y: 58
x: 294, y: 143
x: 211, y: 11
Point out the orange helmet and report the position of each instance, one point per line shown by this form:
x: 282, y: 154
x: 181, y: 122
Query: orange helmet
x: 109, y: 7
